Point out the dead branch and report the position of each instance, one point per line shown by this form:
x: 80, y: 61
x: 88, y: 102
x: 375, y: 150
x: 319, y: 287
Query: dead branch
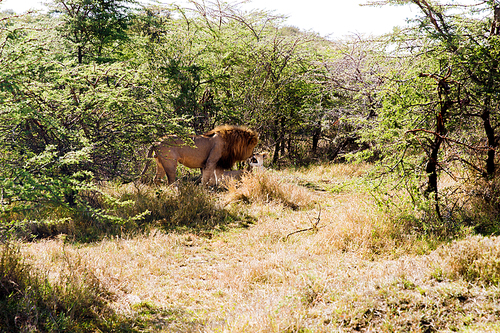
x: 314, y: 225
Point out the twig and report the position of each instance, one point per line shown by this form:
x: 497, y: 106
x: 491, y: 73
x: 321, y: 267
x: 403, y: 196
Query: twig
x: 484, y: 148
x: 314, y: 225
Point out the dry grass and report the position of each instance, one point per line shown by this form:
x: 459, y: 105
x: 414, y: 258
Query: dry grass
x: 475, y: 259
x: 66, y: 297
x: 356, y: 271
x: 264, y: 187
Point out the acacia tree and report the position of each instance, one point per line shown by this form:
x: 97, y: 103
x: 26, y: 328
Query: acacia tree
x: 216, y: 64
x: 439, y: 107
x: 65, y: 125
x: 174, y: 59
x: 353, y: 77
x: 92, y: 25
x: 473, y: 49
x: 270, y: 82
x: 31, y: 164
x: 277, y: 76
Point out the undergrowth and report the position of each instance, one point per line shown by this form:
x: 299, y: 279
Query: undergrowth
x: 116, y: 209
x: 75, y: 301
x: 186, y: 205
x: 475, y: 259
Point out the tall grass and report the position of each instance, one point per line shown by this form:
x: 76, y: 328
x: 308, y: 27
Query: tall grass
x: 74, y: 301
x: 115, y: 209
x: 474, y: 259
x: 184, y: 205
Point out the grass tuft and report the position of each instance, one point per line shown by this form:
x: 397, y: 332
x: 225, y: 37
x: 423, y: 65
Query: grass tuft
x: 475, y: 259
x: 264, y: 187
x: 187, y: 205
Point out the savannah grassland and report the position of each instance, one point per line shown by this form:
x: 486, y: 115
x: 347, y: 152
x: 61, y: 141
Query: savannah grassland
x: 302, y: 250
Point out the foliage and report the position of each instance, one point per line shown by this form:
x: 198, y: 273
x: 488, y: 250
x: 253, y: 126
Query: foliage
x: 65, y: 125
x: 436, y: 129
x: 92, y: 26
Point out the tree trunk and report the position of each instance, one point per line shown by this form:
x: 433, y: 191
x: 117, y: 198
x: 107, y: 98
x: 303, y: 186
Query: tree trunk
x: 315, y: 139
x: 445, y: 104
x: 486, y: 115
x: 492, y: 142
x: 80, y: 55
x: 277, y: 142
x: 276, y: 152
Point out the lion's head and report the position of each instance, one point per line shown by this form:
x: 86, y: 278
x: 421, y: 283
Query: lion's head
x: 239, y: 143
x: 257, y: 160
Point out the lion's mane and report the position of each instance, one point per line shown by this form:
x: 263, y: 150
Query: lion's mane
x: 239, y: 143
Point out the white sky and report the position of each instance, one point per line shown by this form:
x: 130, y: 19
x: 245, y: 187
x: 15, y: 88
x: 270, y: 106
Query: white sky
x: 336, y: 18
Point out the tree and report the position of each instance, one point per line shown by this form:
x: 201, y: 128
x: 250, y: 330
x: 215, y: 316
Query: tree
x: 353, y: 77
x: 92, y: 25
x: 64, y: 126
x: 455, y: 123
x: 216, y: 65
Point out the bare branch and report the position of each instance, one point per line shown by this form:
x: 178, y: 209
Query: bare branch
x: 314, y: 225
x: 484, y: 148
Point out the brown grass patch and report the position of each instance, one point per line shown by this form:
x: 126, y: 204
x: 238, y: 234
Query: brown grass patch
x: 267, y: 186
x: 475, y: 259
x: 39, y: 298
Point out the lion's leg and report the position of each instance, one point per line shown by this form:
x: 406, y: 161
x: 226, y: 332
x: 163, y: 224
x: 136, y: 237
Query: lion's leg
x: 170, y: 166
x: 211, y: 175
x: 206, y: 176
x: 218, y: 173
x: 211, y: 165
x: 160, y: 171
x: 214, y: 178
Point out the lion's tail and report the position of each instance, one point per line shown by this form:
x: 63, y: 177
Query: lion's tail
x: 151, y: 151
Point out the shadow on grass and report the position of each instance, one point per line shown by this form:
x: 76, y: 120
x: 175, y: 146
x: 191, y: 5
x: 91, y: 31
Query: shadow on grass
x: 129, y: 209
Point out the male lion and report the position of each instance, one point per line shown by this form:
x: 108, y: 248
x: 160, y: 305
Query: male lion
x: 213, y: 152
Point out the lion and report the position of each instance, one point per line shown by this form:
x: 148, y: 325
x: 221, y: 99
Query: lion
x: 212, y: 152
x: 254, y: 162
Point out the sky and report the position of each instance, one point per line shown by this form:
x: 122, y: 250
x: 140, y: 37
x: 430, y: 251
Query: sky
x: 333, y: 18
